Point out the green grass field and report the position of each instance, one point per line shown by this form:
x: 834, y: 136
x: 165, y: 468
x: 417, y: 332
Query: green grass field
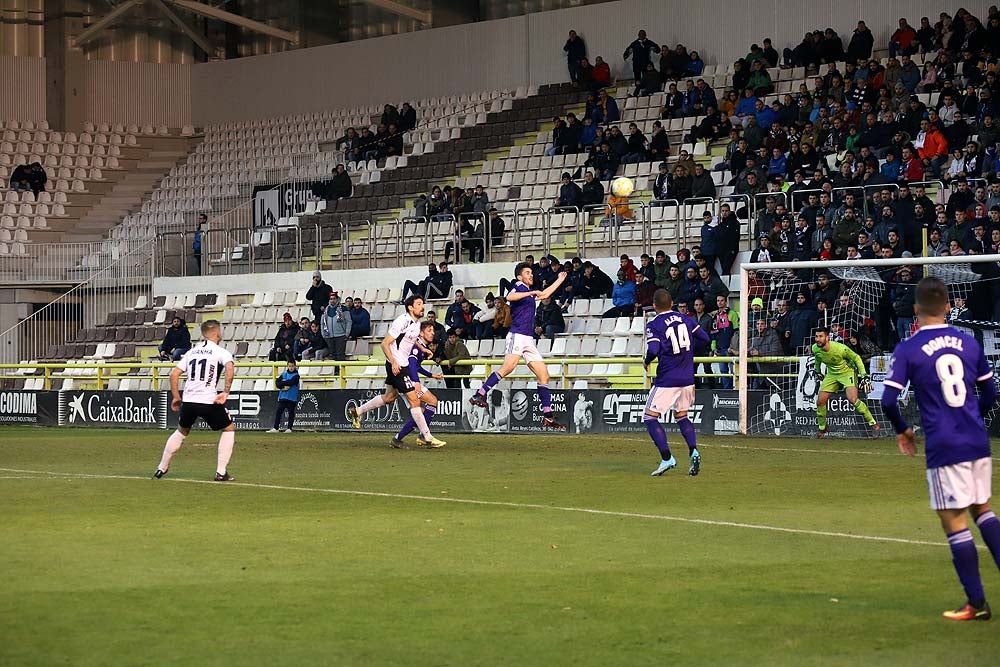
x: 335, y: 550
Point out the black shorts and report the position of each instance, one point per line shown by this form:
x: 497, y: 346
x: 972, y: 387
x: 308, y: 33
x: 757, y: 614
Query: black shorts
x: 402, y: 382
x: 215, y: 415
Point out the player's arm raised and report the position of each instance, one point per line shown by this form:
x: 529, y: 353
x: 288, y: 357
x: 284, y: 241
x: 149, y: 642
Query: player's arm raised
x: 551, y: 289
x: 230, y: 372
x: 175, y: 389
x: 699, y: 339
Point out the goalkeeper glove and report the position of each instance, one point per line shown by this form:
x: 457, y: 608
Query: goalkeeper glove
x: 865, y: 384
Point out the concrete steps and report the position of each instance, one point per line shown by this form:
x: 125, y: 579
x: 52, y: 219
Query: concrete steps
x: 149, y: 167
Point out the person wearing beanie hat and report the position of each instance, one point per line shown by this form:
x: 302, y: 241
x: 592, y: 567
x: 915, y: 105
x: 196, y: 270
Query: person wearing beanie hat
x: 570, y: 193
x: 319, y: 295
x: 283, y: 347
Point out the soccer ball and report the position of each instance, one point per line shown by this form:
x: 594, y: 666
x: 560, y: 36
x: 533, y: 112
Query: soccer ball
x: 622, y: 186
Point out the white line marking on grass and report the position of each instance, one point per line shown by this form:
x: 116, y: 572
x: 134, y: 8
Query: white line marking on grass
x: 753, y: 448
x: 21, y: 477
x: 512, y: 505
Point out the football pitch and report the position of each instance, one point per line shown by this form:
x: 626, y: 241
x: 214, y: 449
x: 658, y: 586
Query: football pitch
x: 332, y: 549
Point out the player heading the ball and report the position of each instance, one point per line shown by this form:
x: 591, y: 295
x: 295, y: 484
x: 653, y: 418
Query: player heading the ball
x: 944, y: 366
x: 521, y: 341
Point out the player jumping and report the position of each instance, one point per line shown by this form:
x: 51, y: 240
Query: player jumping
x: 672, y: 338
x: 521, y: 341
x: 403, y: 334
x: 424, y: 395
x: 202, y: 364
x: 841, y: 363
x: 944, y: 366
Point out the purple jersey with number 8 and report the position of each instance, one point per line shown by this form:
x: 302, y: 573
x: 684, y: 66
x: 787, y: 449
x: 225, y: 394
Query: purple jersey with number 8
x: 942, y: 365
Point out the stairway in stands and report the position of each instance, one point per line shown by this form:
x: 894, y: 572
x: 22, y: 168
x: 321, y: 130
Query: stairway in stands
x: 155, y: 157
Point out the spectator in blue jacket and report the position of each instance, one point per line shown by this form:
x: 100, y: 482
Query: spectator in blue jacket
x: 766, y: 116
x: 606, y: 109
x: 361, y: 320
x: 622, y: 297
x: 778, y: 164
x: 890, y: 170
x: 746, y: 107
x: 288, y: 397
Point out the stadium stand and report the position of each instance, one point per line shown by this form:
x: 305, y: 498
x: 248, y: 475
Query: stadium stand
x: 499, y: 139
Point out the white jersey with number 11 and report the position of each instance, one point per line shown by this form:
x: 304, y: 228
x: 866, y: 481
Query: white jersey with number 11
x: 204, y: 365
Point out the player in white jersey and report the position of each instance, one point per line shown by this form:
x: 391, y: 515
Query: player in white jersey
x: 202, y: 400
x: 397, y: 344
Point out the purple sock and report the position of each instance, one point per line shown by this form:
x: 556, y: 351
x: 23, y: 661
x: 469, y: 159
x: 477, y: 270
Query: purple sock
x: 687, y: 430
x: 966, y: 561
x: 658, y: 435
x: 491, y: 382
x: 546, y: 397
x: 407, y: 429
x: 989, y: 528
x: 410, y: 425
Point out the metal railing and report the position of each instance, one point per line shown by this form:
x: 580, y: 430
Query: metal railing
x: 413, y: 240
x: 116, y: 286
x: 96, y: 374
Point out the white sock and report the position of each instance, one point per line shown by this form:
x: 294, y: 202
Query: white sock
x: 174, y: 443
x: 226, y: 441
x: 418, y: 419
x: 373, y: 404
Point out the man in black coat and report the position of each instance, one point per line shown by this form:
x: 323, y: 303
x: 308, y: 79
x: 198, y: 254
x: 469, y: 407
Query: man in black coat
x: 341, y: 185
x: 639, y: 51
x: 319, y: 295
x: 407, y: 117
x: 576, y: 50
x: 176, y: 342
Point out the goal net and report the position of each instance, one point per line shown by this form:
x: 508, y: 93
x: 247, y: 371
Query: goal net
x: 865, y: 304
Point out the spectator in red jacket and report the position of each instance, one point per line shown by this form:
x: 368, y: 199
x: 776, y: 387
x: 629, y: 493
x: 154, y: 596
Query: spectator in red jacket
x: 601, y: 74
x: 911, y: 168
x: 903, y: 40
x: 932, y: 147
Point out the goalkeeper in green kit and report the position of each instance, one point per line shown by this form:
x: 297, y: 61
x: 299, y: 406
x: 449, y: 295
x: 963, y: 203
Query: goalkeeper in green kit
x: 844, y: 370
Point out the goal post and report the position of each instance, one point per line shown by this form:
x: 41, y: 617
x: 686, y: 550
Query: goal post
x: 864, y: 282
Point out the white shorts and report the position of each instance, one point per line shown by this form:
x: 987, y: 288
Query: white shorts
x: 957, y: 486
x: 523, y: 346
x: 665, y: 399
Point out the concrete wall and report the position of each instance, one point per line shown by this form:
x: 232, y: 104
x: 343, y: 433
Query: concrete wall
x: 520, y: 51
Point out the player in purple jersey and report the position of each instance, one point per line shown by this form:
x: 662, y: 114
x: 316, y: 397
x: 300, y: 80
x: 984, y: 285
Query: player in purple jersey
x: 521, y: 341
x: 672, y: 339
x: 944, y: 366
x: 418, y: 353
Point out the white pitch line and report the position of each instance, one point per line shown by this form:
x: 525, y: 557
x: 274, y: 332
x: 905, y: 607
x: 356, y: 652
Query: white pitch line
x: 784, y: 450
x: 512, y: 505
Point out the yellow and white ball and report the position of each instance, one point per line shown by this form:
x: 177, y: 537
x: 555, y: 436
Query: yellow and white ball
x: 622, y: 186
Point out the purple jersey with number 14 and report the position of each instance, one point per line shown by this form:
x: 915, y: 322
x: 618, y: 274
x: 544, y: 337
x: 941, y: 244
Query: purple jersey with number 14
x: 675, y: 338
x: 942, y: 365
x: 522, y: 312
